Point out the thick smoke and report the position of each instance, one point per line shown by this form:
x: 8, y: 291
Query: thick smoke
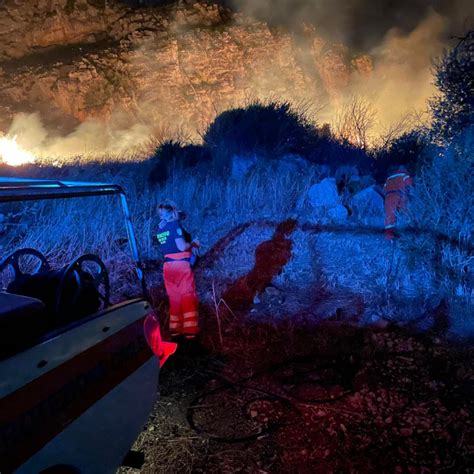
x: 90, y: 139
x: 360, y: 24
x: 402, y: 81
x: 401, y: 37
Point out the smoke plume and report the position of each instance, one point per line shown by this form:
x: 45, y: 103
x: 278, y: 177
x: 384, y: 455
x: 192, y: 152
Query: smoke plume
x: 90, y: 139
x: 402, y: 39
x: 360, y: 24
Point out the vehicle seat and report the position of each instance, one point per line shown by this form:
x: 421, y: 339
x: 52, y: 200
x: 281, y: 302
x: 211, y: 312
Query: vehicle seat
x: 44, y: 287
x: 40, y: 286
x: 21, y: 322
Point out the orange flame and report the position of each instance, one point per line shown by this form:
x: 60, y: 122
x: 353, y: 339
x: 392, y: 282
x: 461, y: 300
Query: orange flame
x: 12, y: 154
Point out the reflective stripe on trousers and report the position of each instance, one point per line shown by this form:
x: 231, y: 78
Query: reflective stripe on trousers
x: 181, y: 290
x: 395, y: 190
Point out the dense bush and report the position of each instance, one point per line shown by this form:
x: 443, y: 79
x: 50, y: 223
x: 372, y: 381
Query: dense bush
x: 453, y: 109
x: 335, y: 154
x: 409, y: 149
x: 443, y: 205
x: 444, y: 198
x: 174, y: 155
x: 270, y: 131
x: 274, y: 130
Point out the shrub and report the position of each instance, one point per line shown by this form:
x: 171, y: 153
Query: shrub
x: 443, y: 204
x: 174, y: 155
x: 270, y: 131
x: 444, y: 198
x: 274, y: 130
x: 453, y: 109
x: 336, y: 154
x: 408, y: 149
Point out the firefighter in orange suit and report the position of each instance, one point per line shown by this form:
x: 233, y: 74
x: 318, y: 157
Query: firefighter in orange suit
x: 178, y: 274
x: 395, y: 191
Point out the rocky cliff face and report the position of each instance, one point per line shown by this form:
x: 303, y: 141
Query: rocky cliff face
x: 174, y: 66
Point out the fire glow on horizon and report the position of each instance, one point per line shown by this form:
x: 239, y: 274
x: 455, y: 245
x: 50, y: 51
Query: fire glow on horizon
x: 12, y: 154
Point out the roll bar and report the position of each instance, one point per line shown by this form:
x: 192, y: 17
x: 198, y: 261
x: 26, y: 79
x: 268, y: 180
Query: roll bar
x: 20, y: 189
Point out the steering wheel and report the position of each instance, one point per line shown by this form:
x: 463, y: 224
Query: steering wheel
x: 14, y: 261
x: 82, y: 278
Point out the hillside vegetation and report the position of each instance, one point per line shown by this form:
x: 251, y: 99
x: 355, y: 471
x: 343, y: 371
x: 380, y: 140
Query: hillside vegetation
x: 265, y: 163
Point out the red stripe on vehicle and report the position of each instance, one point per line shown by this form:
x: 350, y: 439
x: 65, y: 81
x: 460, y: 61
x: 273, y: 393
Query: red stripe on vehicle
x: 37, y: 412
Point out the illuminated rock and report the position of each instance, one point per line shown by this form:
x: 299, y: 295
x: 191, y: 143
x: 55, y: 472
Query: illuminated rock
x: 323, y: 195
x: 173, y: 66
x: 338, y: 213
x: 368, y: 205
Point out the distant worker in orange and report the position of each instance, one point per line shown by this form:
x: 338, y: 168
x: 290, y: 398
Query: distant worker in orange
x: 395, y: 190
x: 177, y: 247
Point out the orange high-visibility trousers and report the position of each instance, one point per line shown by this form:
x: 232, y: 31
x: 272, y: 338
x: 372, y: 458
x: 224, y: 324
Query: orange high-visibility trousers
x: 395, y: 201
x: 392, y: 204
x: 181, y: 290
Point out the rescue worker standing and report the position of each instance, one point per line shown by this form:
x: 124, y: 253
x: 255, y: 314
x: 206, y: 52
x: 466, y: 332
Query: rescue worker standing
x: 395, y: 190
x: 178, y: 274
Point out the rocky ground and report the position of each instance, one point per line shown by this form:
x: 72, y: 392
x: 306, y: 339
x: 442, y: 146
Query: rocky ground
x: 287, y: 379
x: 298, y: 397
x: 292, y: 374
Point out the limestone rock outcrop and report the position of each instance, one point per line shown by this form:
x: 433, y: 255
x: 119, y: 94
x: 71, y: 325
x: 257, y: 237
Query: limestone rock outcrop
x: 172, y: 66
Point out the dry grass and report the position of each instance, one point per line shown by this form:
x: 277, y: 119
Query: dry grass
x: 346, y: 260
x: 65, y: 229
x: 443, y: 202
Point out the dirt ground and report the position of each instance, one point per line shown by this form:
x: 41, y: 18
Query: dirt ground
x: 288, y: 380
x: 256, y: 395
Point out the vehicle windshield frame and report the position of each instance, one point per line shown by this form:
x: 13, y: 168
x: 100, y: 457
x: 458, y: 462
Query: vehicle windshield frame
x: 24, y: 189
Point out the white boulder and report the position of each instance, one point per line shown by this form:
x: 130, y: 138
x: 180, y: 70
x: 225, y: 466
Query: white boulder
x: 324, y: 194
x: 338, y: 213
x: 368, y: 204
